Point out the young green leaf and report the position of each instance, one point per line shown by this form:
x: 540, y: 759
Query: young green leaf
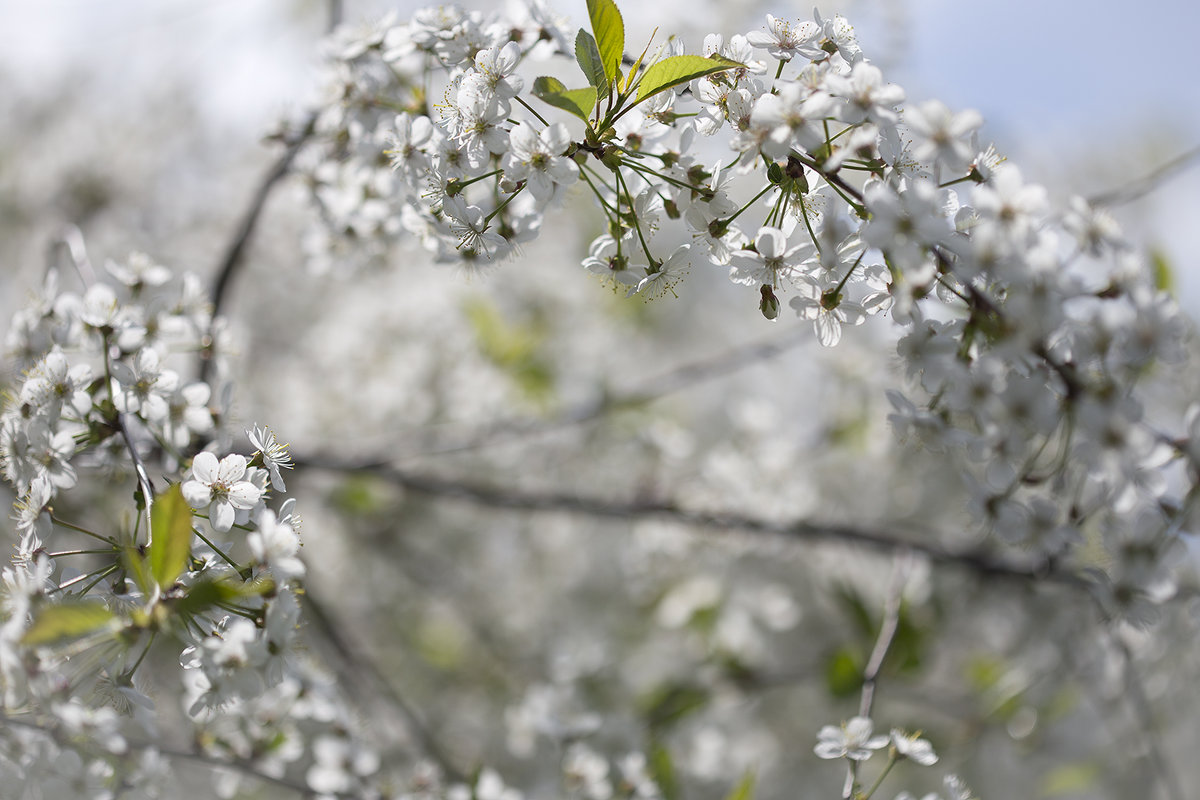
x: 66, y: 621
x: 137, y: 568
x: 1164, y: 276
x: 587, y: 53
x: 669, y: 704
x: 609, y: 29
x: 745, y: 788
x: 171, y: 523
x: 579, y: 102
x: 662, y: 769
x: 677, y: 70
x: 623, y: 84
x: 207, y: 593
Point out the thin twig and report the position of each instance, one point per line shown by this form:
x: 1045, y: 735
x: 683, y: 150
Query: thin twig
x: 901, y: 568
x: 574, y: 503
x: 353, y: 658
x: 1141, y: 187
x: 336, y: 13
x: 1145, y: 717
x: 246, y: 227
x: 887, y: 631
x: 72, y: 239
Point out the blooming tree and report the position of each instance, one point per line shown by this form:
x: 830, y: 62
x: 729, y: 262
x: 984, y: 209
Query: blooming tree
x: 1050, y: 471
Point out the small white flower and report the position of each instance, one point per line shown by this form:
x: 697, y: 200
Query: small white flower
x: 913, y: 747
x: 537, y: 158
x: 100, y: 306
x: 407, y: 145
x: 54, y: 382
x: 275, y: 456
x: 141, y: 387
x: 828, y: 310
x: 784, y: 41
x: 668, y: 274
x: 494, y: 71
x: 941, y: 136
x: 471, y: 226
x: 770, y: 261
x: 139, y: 271
x: 852, y: 740
x: 187, y: 413
x: 276, y: 544
x: 220, y: 488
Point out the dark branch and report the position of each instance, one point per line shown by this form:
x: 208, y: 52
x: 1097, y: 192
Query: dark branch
x: 1143, y: 186
x: 1140, y: 702
x: 245, y: 229
x: 801, y: 530
x: 365, y: 671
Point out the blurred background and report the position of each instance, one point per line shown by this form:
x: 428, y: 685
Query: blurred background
x: 146, y: 125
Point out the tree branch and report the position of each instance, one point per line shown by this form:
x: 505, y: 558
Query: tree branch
x: 364, y: 667
x: 1144, y: 714
x: 1141, y: 187
x: 246, y: 227
x: 800, y: 530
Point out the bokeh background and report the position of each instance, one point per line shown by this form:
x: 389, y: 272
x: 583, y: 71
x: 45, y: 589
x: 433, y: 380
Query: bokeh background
x: 147, y: 125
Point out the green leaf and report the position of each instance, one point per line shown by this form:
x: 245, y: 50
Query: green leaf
x: 853, y: 604
x: 208, y: 593
x: 517, y: 347
x: 907, y: 651
x: 745, y: 788
x: 677, y: 70
x: 205, y: 594
x: 843, y: 672
x: 1073, y: 779
x: 137, y: 568
x: 579, y: 102
x: 1164, y: 276
x: 587, y: 53
x: 65, y: 621
x: 171, y: 524
x: 610, y: 34
x: 662, y: 769
x: 669, y: 704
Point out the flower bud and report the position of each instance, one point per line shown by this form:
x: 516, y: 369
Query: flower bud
x: 611, y: 157
x: 769, y: 305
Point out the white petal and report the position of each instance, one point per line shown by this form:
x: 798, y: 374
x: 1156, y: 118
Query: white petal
x: 204, y: 467
x: 197, y: 494
x: 221, y: 515
x: 244, y: 494
x: 829, y: 330
x: 232, y: 468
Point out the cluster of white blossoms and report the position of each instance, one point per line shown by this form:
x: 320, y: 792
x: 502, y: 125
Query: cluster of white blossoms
x: 104, y: 407
x: 1026, y: 327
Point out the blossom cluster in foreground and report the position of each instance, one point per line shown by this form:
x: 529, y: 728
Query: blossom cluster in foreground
x: 783, y: 156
